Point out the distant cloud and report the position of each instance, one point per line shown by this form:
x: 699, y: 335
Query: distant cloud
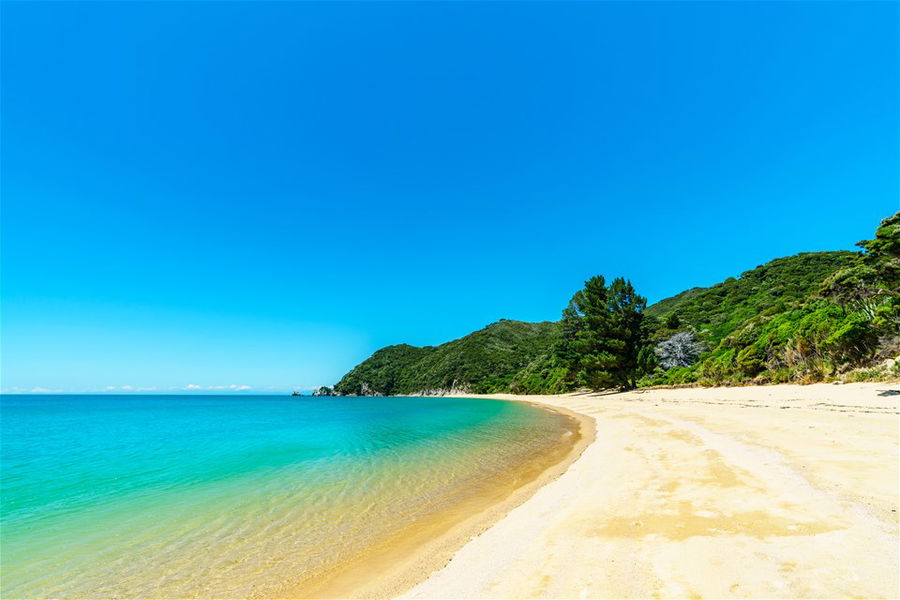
x: 212, y: 388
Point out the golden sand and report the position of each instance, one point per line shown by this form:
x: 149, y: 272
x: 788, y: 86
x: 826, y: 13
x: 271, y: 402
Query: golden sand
x: 766, y: 492
x: 407, y: 557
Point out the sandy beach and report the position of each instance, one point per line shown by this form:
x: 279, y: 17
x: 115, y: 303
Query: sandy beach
x: 776, y: 492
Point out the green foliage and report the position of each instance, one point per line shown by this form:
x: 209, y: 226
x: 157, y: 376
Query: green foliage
x: 767, y: 325
x: 809, y: 341
x: 670, y: 305
x: 603, y: 338
x: 871, y: 283
x: 750, y: 360
x: 673, y: 322
x: 544, y: 375
x: 390, y: 371
x: 889, y: 370
x: 718, y: 311
x: 486, y: 361
x: 800, y: 318
x: 681, y: 375
x: 886, y: 245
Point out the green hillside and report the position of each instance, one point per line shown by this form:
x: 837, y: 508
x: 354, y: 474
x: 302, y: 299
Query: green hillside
x: 485, y: 361
x: 717, y: 311
x: 667, y: 306
x: 803, y: 318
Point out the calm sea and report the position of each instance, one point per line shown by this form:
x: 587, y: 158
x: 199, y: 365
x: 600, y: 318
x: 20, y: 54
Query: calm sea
x: 215, y: 496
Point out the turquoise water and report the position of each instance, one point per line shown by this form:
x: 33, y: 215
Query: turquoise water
x: 215, y: 496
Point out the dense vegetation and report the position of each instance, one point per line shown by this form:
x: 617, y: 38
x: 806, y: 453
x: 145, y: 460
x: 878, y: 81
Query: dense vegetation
x: 718, y: 311
x: 485, y: 361
x: 604, y: 342
x: 803, y: 318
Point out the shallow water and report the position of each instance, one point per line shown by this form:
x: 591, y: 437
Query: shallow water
x: 223, y: 496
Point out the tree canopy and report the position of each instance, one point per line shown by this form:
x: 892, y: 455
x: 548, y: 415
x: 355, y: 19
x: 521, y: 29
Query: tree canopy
x: 603, y: 337
x: 803, y: 318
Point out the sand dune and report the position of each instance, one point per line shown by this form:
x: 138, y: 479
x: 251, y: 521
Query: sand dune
x: 777, y: 491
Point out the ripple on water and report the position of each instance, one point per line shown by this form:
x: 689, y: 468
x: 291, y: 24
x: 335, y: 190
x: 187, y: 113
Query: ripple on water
x: 223, y: 496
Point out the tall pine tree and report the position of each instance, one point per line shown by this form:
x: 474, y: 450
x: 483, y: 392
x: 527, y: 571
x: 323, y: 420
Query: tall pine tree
x: 603, y: 338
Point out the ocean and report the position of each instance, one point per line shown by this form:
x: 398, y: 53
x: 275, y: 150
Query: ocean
x: 239, y: 496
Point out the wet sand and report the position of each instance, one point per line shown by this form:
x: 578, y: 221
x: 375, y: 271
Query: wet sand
x: 776, y: 491
x: 393, y: 565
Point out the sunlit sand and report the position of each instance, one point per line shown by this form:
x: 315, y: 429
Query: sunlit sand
x: 778, y: 491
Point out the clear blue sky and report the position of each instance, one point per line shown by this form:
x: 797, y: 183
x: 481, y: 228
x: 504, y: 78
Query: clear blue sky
x: 261, y: 194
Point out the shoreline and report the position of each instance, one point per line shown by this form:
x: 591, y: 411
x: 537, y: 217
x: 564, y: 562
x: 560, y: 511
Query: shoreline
x: 765, y: 491
x: 409, y: 557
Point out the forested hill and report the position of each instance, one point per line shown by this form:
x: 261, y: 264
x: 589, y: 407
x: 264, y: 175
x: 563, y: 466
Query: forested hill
x: 717, y: 311
x: 484, y: 361
x: 807, y: 317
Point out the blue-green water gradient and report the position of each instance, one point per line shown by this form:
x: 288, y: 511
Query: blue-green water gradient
x: 176, y: 496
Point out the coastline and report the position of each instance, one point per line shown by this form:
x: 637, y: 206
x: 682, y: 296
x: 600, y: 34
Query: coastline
x: 396, y: 565
x: 766, y: 491
x: 311, y: 489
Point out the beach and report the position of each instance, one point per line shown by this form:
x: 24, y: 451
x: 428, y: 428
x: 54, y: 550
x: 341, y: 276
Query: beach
x: 406, y: 558
x: 774, y: 491
x: 778, y: 491
x: 257, y: 496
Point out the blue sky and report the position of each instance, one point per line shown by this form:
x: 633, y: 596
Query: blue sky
x: 259, y: 195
